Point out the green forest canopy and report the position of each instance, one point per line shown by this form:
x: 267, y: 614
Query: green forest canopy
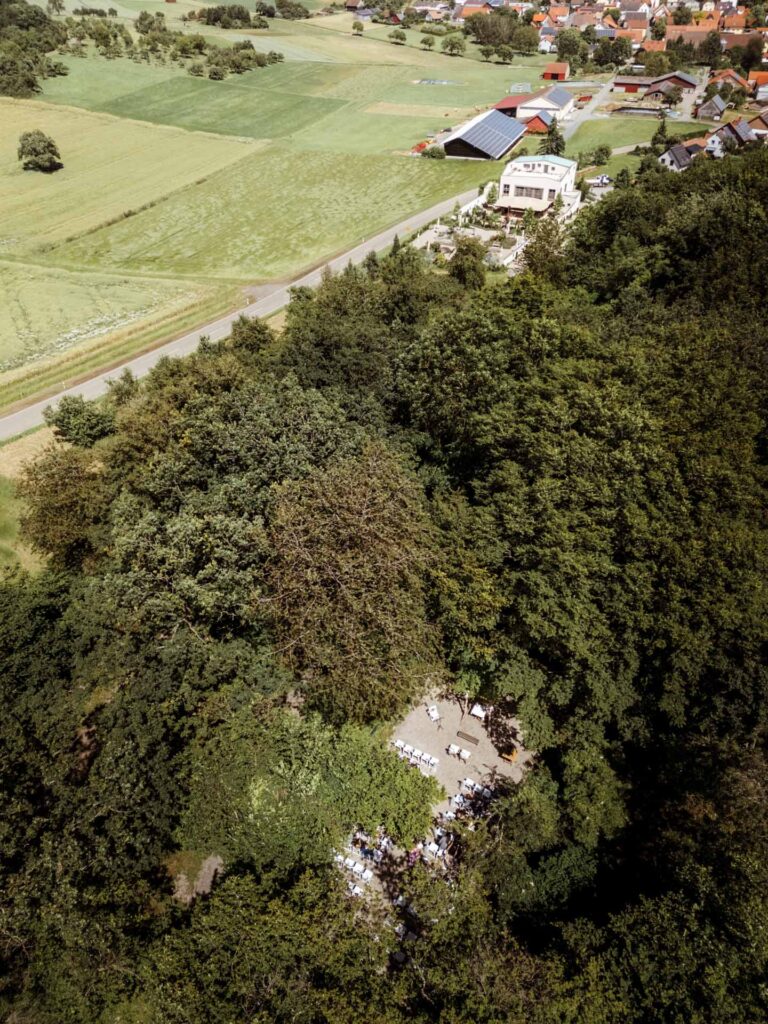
x: 549, y: 492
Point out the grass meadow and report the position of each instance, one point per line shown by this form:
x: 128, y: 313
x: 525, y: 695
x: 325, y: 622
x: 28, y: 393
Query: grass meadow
x: 176, y: 191
x: 623, y: 131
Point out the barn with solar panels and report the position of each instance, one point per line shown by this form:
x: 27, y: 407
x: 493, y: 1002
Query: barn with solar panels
x: 489, y: 136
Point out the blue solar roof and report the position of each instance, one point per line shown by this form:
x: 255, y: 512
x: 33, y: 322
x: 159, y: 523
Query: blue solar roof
x: 493, y: 133
x: 559, y: 96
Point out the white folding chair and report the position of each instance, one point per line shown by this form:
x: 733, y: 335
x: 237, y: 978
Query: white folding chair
x: 349, y: 863
x: 358, y: 870
x: 426, y: 758
x: 338, y: 858
x: 357, y: 891
x: 367, y: 875
x: 399, y: 744
x: 453, y: 749
x: 433, y: 761
x: 408, y: 749
x: 465, y: 755
x: 468, y: 784
x: 417, y: 753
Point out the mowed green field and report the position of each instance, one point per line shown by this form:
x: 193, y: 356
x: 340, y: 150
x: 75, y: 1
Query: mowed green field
x: 111, y: 166
x: 177, y: 191
x: 47, y: 311
x: 273, y: 213
x: 623, y: 131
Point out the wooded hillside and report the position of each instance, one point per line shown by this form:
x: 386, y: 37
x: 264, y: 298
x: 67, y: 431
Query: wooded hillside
x: 550, y: 493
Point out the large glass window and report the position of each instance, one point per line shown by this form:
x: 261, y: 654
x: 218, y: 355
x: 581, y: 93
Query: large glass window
x: 529, y: 193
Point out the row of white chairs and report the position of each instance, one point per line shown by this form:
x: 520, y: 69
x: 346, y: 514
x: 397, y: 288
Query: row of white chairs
x: 416, y: 755
x: 476, y: 787
x: 357, y: 869
x: 460, y: 752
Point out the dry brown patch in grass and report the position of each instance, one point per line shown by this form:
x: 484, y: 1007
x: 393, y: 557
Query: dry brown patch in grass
x: 15, y: 454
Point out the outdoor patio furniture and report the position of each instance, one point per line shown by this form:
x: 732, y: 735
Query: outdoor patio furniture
x: 349, y: 863
x: 433, y: 761
x: 367, y: 875
x: 399, y: 744
x: 453, y: 749
x: 465, y: 755
x: 358, y: 869
x: 408, y: 749
x: 433, y: 713
x: 466, y: 736
x: 468, y: 783
x: 357, y: 891
x: 417, y: 753
x: 426, y: 758
x: 433, y: 848
x: 478, y: 712
x: 486, y: 793
x: 338, y: 858
x: 477, y: 787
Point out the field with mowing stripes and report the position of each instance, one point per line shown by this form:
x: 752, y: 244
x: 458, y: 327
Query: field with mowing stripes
x: 178, y: 191
x: 111, y: 166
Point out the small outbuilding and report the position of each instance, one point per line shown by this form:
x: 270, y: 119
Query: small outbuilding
x: 713, y: 109
x: 489, y: 136
x: 556, y: 72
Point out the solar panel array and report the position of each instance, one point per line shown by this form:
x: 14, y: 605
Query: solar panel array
x: 494, y: 133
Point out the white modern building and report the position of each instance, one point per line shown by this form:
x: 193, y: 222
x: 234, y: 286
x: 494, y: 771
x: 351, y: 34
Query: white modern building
x: 534, y: 182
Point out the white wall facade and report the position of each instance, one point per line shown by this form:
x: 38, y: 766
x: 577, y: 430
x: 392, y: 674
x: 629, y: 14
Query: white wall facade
x: 533, y: 183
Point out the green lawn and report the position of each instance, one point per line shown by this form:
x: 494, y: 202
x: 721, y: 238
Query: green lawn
x: 272, y: 214
x: 622, y: 131
x: 176, y: 190
x: 111, y: 166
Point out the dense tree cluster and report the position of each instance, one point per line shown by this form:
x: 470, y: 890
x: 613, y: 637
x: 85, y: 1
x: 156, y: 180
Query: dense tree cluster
x: 549, y: 494
x: 27, y: 37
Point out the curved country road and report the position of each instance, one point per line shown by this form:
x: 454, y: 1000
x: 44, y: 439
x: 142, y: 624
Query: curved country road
x: 94, y: 387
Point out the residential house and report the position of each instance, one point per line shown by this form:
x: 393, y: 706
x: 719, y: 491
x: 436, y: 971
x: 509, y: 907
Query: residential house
x: 733, y: 22
x: 534, y: 183
x: 688, y: 33
x: 731, y: 76
x: 635, y: 7
x: 732, y: 135
x: 636, y: 21
x: 557, y: 72
x: 757, y: 79
x: 582, y: 19
x: 558, y: 15
x: 713, y: 109
x: 679, y: 157
x: 654, y: 45
x: 731, y: 39
x: 489, y: 136
x: 759, y: 124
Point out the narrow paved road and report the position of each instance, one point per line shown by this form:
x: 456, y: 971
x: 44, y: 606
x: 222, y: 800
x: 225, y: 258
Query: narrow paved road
x: 580, y: 116
x: 94, y: 387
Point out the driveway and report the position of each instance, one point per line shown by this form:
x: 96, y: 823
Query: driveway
x: 602, y: 96
x: 270, y: 299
